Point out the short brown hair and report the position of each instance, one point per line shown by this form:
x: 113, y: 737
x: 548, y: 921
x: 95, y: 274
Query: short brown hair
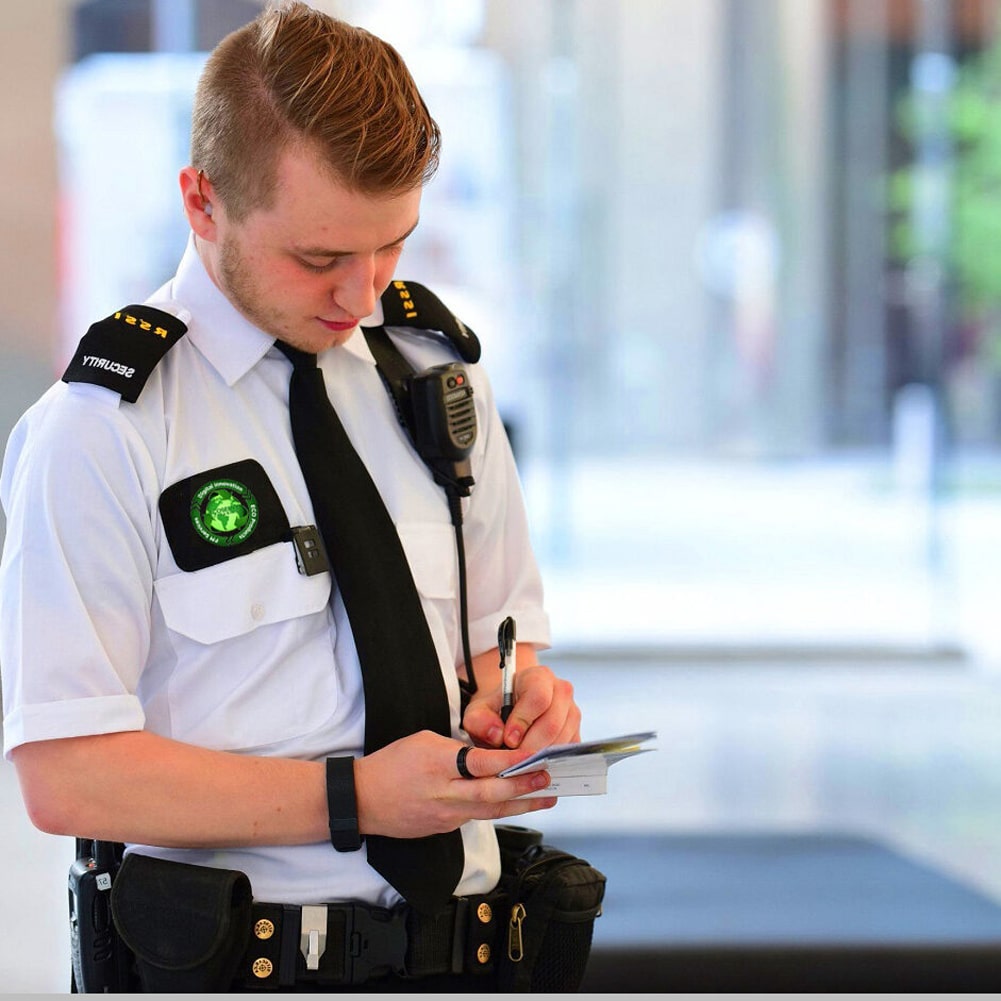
x: 295, y: 75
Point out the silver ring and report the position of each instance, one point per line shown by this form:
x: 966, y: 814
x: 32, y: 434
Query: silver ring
x: 460, y: 762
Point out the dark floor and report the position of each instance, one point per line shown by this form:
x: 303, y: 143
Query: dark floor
x: 760, y: 912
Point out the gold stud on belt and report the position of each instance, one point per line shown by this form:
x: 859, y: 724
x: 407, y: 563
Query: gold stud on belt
x: 264, y: 929
x: 262, y: 968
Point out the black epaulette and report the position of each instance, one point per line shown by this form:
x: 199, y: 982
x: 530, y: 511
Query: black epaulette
x: 409, y: 304
x: 120, y: 352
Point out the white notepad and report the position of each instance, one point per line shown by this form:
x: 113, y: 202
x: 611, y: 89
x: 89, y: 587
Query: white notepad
x: 580, y: 769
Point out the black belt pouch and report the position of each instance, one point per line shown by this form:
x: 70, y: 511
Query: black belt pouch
x: 187, y: 925
x: 553, y: 899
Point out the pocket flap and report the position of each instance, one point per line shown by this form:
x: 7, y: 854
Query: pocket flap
x: 177, y: 916
x: 235, y: 597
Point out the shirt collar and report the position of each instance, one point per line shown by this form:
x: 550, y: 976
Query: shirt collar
x: 227, y: 339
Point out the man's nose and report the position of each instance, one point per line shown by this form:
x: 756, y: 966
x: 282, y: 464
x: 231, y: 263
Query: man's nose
x: 356, y: 292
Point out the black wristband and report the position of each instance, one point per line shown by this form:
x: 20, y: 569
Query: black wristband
x: 342, y: 805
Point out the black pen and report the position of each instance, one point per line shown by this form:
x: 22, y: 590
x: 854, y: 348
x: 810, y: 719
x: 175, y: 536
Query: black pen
x: 506, y: 643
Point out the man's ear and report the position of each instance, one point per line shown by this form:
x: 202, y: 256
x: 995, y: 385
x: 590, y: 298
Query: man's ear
x: 197, y: 197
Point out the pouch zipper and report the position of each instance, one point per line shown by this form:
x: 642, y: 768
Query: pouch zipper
x: 515, y: 945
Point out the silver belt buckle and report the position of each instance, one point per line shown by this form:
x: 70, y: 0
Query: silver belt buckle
x: 313, y: 934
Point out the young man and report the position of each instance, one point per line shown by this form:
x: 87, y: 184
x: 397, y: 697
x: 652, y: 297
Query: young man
x: 186, y: 695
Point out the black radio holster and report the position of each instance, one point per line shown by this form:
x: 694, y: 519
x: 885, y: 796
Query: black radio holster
x: 100, y: 962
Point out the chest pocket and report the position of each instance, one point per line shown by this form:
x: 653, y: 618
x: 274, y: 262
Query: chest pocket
x: 251, y: 651
x: 239, y: 596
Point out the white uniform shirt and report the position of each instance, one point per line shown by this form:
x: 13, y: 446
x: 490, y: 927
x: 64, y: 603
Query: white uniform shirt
x: 101, y: 632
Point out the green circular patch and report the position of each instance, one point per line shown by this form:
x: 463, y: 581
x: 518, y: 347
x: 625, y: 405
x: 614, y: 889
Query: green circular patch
x: 224, y: 512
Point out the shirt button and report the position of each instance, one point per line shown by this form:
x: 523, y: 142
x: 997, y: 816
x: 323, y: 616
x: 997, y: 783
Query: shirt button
x: 257, y: 611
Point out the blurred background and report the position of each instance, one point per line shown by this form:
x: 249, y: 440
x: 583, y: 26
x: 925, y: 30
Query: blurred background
x: 736, y: 265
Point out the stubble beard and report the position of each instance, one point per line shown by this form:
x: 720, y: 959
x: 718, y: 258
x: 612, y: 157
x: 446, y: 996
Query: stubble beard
x: 238, y: 287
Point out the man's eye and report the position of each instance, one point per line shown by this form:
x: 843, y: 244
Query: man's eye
x: 318, y: 268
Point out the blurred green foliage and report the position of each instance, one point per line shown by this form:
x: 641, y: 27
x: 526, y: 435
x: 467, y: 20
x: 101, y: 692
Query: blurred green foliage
x: 972, y: 247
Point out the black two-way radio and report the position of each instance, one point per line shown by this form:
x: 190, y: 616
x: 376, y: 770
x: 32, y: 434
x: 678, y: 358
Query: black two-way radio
x: 435, y: 408
x: 443, y: 425
x: 101, y: 962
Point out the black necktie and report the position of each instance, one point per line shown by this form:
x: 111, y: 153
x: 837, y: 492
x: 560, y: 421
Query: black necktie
x: 404, y: 689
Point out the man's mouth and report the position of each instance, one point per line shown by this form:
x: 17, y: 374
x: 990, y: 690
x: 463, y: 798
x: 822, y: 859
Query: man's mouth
x: 338, y: 325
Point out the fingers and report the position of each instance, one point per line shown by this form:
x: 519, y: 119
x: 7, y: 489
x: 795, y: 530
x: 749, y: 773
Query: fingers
x: 483, y: 723
x: 435, y: 796
x: 484, y: 763
x: 545, y: 713
x: 487, y: 790
x: 489, y: 793
x: 481, y: 763
x: 518, y: 807
x: 496, y: 798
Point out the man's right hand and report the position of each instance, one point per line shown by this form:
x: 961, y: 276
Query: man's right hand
x: 412, y: 787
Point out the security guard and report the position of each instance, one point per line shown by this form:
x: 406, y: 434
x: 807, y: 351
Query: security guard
x: 173, y: 678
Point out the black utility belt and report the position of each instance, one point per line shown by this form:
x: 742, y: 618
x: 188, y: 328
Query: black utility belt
x: 196, y: 928
x: 352, y: 943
